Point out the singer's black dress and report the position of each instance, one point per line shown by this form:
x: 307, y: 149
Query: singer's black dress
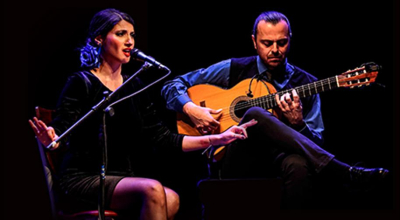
x: 133, y: 134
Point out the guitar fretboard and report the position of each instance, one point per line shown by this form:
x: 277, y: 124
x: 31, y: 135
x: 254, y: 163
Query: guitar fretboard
x: 268, y: 101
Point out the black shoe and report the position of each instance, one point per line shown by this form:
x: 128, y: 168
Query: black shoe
x: 366, y: 178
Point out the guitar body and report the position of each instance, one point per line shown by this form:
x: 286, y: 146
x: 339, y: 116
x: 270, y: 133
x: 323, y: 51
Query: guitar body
x: 235, y: 101
x: 229, y: 100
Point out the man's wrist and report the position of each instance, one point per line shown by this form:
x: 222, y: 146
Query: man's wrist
x: 186, y: 107
x: 299, y: 127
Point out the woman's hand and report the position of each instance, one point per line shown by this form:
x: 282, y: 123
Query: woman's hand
x: 46, y: 135
x: 233, y: 133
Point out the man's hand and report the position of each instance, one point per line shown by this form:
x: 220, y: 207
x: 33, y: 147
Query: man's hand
x: 202, y: 118
x: 291, y: 109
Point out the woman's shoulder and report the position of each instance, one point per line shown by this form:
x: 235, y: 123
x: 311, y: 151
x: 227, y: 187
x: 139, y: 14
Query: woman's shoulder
x: 82, y: 76
x: 79, y: 80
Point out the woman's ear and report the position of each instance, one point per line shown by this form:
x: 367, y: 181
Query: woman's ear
x: 98, y: 40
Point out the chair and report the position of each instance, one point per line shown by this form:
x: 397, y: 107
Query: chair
x: 49, y: 161
x: 236, y: 199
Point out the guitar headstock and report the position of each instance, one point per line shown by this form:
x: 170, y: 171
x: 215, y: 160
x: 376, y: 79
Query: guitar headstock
x: 363, y: 75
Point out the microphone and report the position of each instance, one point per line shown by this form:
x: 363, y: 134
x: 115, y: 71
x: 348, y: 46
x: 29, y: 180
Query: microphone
x: 139, y: 55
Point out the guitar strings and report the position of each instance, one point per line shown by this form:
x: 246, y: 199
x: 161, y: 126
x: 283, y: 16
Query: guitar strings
x: 268, y: 101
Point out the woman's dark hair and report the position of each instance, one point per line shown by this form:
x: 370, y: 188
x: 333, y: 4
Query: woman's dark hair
x: 273, y: 17
x: 101, y: 23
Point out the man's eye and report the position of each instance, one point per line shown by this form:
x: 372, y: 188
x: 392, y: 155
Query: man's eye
x: 282, y: 42
x: 268, y: 43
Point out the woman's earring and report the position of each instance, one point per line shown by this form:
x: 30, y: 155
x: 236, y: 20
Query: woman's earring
x: 98, y: 55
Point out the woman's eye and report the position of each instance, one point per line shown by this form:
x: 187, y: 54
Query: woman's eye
x: 121, y: 33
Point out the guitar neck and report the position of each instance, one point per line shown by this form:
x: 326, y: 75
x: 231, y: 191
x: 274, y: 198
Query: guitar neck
x: 268, y: 101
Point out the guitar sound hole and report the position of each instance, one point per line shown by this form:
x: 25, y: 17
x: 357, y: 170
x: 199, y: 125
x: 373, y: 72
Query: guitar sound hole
x: 240, y: 108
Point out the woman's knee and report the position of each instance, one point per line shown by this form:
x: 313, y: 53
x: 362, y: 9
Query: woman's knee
x: 172, y: 198
x: 134, y: 191
x: 153, y: 190
x: 173, y: 202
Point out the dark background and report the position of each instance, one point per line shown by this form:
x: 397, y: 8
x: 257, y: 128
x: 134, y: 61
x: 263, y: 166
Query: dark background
x: 329, y: 38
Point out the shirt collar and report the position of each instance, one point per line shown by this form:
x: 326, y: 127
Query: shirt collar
x: 261, y: 66
x: 282, y: 81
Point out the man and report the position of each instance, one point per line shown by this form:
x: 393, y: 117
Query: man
x: 288, y: 147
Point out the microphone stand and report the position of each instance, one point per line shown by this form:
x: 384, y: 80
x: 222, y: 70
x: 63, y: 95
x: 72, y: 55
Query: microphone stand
x: 101, y: 105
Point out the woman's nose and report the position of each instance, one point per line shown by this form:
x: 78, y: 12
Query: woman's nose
x: 130, y: 40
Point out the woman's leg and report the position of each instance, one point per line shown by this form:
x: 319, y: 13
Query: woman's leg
x: 153, y: 200
x: 172, y: 203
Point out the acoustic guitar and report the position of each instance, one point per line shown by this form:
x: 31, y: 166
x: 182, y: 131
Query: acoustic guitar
x: 235, y: 101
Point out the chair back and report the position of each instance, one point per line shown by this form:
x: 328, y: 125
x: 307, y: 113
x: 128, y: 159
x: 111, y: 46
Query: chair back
x: 46, y: 115
x: 50, y: 160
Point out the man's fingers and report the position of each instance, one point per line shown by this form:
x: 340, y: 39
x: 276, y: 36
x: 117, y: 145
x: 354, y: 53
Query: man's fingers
x: 296, y: 97
x: 205, y: 130
x: 217, y: 118
x: 284, y: 103
x: 213, y: 111
x: 214, y: 123
x: 287, y: 98
x: 278, y: 102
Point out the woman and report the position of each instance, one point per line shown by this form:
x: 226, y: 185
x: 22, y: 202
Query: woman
x: 133, y: 133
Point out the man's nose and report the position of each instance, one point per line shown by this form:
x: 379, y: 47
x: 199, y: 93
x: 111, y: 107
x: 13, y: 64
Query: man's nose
x: 275, y: 48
